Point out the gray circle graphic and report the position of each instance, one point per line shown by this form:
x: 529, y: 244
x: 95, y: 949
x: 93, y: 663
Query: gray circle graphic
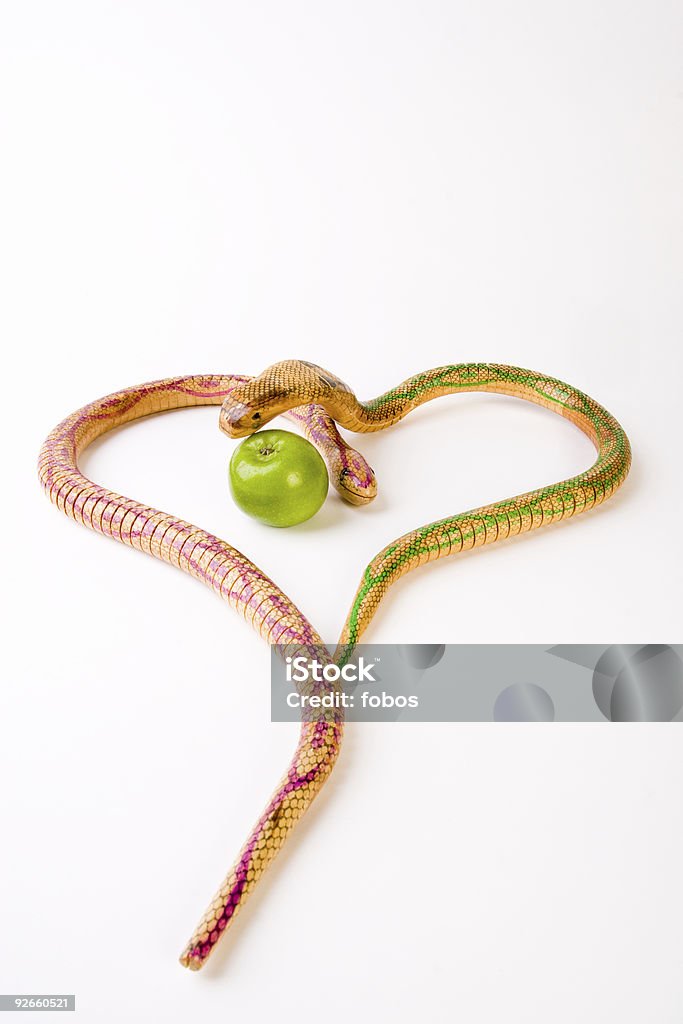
x: 639, y: 683
x: 524, y: 702
x: 422, y: 656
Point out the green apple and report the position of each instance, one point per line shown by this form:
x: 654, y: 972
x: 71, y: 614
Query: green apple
x: 278, y: 478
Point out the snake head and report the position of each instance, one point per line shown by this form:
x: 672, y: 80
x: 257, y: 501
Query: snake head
x: 356, y: 482
x: 281, y: 387
x: 239, y: 418
x: 248, y: 407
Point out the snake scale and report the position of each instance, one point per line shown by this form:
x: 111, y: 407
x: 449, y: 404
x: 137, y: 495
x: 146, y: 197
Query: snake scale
x: 318, y: 401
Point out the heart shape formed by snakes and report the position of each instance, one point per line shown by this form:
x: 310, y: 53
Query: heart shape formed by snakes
x: 317, y: 400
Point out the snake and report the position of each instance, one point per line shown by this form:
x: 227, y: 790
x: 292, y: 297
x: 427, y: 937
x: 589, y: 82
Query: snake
x: 319, y: 403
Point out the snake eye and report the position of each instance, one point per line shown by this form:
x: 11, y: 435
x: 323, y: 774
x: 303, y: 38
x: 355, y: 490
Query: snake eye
x: 256, y: 416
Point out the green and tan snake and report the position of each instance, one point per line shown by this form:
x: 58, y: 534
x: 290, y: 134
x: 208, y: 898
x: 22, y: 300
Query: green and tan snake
x: 317, y: 400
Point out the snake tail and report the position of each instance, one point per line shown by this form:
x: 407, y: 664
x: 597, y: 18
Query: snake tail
x: 230, y: 575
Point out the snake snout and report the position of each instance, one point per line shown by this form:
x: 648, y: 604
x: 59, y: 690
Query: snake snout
x: 358, y: 484
x: 239, y: 420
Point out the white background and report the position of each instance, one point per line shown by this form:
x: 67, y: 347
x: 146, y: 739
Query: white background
x: 380, y: 188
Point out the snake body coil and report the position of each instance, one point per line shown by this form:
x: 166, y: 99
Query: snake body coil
x: 317, y: 400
